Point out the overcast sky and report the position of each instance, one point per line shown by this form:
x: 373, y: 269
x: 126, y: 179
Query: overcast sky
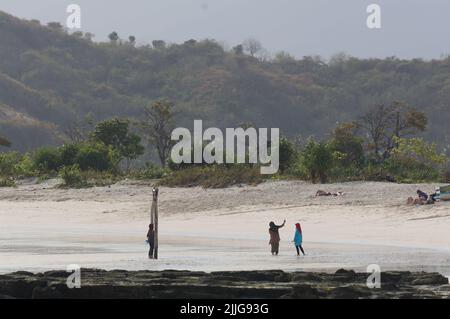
x: 410, y: 28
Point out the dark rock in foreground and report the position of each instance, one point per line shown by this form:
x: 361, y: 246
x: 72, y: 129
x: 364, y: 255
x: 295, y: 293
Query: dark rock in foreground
x: 343, y: 284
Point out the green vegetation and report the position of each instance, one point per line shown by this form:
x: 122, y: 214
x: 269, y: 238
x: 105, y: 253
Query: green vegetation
x: 72, y: 177
x: 366, y: 149
x: 150, y: 171
x: 51, y: 79
x: 115, y: 133
x: 82, y: 110
x: 318, y: 159
x: 413, y: 160
x: 214, y: 176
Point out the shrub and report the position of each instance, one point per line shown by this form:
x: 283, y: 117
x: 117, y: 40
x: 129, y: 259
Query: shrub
x: 7, y: 182
x: 97, y: 178
x: 8, y: 162
x: 318, y: 159
x: 348, y: 145
x: 25, y: 168
x: 288, y: 154
x: 95, y: 156
x: 46, y: 159
x: 68, y: 153
x: 413, y: 160
x: 151, y: 171
x: 214, y: 176
x: 72, y: 177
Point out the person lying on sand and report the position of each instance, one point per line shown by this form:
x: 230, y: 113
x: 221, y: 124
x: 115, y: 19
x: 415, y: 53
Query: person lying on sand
x: 323, y: 193
x: 275, y: 237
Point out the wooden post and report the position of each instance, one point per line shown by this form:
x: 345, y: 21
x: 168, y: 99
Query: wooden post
x: 154, y: 219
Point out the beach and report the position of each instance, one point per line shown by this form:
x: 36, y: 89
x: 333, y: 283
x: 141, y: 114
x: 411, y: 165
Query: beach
x: 44, y: 227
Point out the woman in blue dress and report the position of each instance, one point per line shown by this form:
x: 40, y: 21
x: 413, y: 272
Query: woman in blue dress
x: 298, y: 239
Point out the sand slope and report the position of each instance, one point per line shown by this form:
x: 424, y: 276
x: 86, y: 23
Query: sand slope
x: 43, y: 227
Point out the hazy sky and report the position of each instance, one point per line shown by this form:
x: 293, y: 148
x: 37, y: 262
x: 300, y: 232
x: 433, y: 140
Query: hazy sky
x: 410, y: 28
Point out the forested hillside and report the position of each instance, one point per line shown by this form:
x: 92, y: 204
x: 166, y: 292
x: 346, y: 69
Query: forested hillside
x: 51, y: 81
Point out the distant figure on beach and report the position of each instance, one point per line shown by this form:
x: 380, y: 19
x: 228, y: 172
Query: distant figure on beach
x: 275, y: 237
x: 422, y: 195
x: 323, y: 193
x: 151, y: 240
x: 422, y: 199
x: 298, y: 239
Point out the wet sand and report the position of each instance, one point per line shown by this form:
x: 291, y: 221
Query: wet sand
x: 43, y: 228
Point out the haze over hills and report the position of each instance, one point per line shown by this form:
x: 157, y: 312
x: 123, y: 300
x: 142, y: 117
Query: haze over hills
x: 50, y: 80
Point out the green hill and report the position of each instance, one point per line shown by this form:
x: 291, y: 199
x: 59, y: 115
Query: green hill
x: 50, y: 80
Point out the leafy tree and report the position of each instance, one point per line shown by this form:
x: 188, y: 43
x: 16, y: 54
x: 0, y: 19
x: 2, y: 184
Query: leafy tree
x: 239, y: 49
x: 55, y: 25
x: 113, y: 37
x: 8, y: 161
x: 288, y: 154
x: 96, y: 156
x: 68, y: 154
x: 157, y: 127
x: 51, y: 77
x: 414, y: 160
x: 191, y: 42
x: 159, y: 44
x: 318, y: 160
x: 346, y: 142
x: 47, y: 159
x: 115, y: 133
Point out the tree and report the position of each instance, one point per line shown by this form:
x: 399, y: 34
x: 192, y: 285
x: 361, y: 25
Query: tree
x: 115, y: 133
x: 318, y: 160
x: 157, y: 126
x: 55, y: 25
x: 159, y: 44
x: 252, y: 46
x: 239, y: 49
x: 413, y: 159
x: 132, y: 40
x: 383, y: 123
x: 95, y: 155
x: 113, y: 37
x: 191, y: 42
x: 46, y: 159
x: 288, y: 154
x: 346, y: 141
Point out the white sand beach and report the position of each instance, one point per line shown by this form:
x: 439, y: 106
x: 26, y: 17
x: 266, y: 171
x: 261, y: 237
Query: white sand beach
x: 43, y: 227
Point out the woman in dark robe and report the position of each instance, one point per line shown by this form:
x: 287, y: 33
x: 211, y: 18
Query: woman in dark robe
x: 275, y: 237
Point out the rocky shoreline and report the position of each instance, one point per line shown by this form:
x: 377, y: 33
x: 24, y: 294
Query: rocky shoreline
x: 344, y: 284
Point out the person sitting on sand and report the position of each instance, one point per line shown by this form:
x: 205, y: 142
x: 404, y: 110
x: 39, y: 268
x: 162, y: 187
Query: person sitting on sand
x: 151, y: 240
x: 422, y: 199
x: 422, y: 195
x: 275, y: 237
x: 298, y: 239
